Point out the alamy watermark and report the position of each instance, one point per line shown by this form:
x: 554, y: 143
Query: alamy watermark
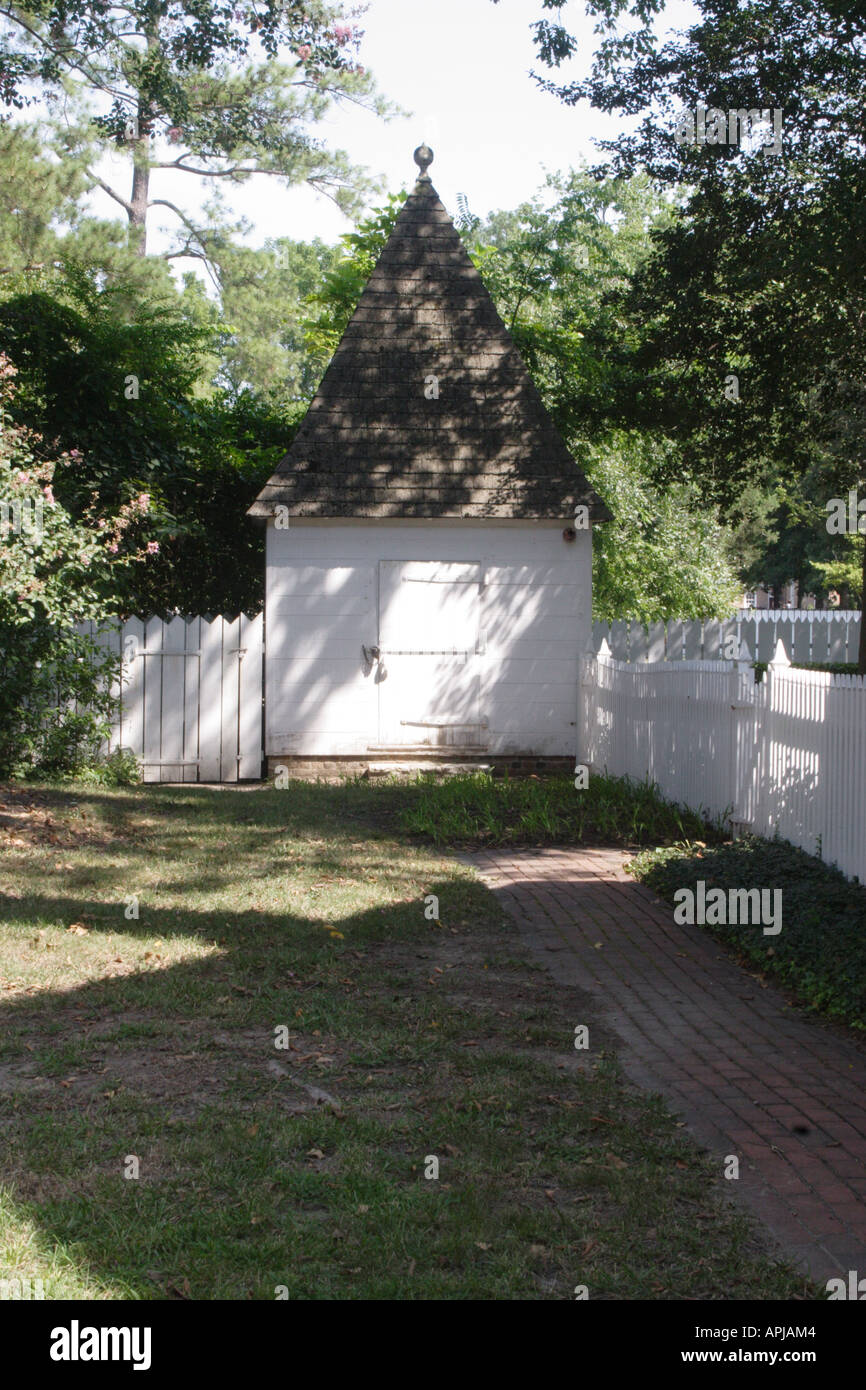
x: 23, y: 1288
x: 707, y: 125
x: 854, y: 1289
x: 715, y: 907
x: 846, y: 516
x: 21, y: 516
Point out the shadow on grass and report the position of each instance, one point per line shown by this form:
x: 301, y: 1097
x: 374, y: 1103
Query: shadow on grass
x: 262, y: 1166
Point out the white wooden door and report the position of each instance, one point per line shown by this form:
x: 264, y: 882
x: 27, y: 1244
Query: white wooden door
x: 430, y: 643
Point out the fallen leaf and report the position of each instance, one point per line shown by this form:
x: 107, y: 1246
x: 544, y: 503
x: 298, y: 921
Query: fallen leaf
x: 78, y: 929
x: 315, y: 1153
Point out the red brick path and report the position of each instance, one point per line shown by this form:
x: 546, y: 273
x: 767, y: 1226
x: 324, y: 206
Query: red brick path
x: 741, y: 1067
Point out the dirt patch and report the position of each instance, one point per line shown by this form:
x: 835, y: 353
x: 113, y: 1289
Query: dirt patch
x: 29, y: 819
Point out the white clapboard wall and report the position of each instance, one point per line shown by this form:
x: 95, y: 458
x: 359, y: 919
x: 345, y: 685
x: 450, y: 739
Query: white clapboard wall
x: 190, y: 705
x: 785, y: 756
x: 819, y: 637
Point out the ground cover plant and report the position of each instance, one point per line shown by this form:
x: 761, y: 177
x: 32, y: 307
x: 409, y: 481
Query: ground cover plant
x: 820, y: 952
x: 155, y: 942
x: 480, y: 808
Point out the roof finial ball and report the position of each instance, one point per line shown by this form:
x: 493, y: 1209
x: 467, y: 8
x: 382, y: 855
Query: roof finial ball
x: 423, y: 157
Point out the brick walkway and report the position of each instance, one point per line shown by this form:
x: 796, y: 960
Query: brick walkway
x: 749, y: 1075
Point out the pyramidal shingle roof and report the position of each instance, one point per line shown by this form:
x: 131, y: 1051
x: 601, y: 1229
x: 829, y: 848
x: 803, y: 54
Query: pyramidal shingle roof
x: 383, y: 439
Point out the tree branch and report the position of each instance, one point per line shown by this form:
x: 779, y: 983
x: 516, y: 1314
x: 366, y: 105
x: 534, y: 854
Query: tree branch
x: 193, y: 234
x: 106, y: 188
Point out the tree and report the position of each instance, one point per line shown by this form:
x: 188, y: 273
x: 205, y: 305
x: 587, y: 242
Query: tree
x: 333, y: 303
x: 220, y: 90
x: 125, y: 402
x: 264, y: 294
x: 663, y: 554
x: 254, y: 326
x: 45, y: 225
x: 761, y: 278
x: 37, y: 192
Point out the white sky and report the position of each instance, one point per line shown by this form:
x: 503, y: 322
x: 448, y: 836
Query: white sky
x: 461, y: 67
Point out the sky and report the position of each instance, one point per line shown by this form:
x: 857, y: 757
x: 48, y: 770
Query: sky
x: 461, y: 69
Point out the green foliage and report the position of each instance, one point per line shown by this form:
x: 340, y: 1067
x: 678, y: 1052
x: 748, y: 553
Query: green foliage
x: 820, y: 951
x: 119, y: 390
x: 555, y: 267
x: 263, y: 295
x: 664, y: 554
x: 53, y: 568
x: 55, y: 702
x: 843, y: 573
x: 478, y: 808
x: 38, y: 191
x: 55, y: 571
x: 119, y: 769
x: 557, y: 274
x: 761, y: 275
x: 333, y: 304
x: 217, y: 91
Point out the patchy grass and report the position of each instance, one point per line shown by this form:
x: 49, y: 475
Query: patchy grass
x: 820, y: 952
x: 480, y: 809
x: 153, y: 1037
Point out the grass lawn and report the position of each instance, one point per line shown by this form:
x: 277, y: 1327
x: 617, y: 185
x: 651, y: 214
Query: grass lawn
x: 154, y: 1038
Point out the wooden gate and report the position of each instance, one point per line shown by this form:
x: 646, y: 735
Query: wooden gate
x: 190, y: 705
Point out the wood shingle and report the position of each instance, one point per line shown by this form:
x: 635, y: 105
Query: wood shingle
x: 377, y: 442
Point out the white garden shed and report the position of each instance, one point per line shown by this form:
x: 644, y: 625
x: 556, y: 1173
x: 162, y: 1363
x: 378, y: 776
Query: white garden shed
x: 428, y: 591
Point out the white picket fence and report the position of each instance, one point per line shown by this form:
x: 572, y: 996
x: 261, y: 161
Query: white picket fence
x: 786, y: 756
x: 817, y: 636
x: 190, y: 703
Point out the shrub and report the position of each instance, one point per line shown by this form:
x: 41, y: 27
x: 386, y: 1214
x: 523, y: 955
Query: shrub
x: 821, y: 950
x: 119, y: 769
x: 55, y: 683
